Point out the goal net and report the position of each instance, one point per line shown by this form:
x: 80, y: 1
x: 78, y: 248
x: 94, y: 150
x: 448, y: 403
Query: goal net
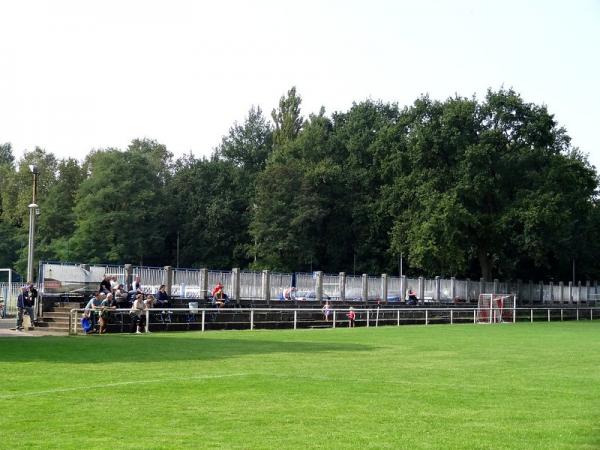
x: 495, y: 308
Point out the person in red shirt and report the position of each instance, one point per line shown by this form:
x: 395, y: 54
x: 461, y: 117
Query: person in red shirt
x: 217, y: 294
x: 351, y: 317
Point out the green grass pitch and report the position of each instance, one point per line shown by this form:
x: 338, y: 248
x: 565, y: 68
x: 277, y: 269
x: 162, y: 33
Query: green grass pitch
x: 522, y: 386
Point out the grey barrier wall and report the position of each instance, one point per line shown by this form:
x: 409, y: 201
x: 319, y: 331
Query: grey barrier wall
x: 197, y: 283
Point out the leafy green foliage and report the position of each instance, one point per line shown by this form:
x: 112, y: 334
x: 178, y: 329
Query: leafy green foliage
x: 460, y: 187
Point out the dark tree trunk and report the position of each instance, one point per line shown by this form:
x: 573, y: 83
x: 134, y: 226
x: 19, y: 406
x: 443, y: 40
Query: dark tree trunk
x: 485, y: 264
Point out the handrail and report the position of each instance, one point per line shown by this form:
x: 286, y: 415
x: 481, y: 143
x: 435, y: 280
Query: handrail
x: 373, y: 315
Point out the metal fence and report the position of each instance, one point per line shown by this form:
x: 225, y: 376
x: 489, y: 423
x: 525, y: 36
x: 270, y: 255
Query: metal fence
x: 188, y: 283
x: 204, y: 319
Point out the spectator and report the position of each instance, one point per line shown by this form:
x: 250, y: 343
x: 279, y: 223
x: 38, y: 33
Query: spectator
x: 351, y: 317
x: 107, y: 304
x: 218, y: 295
x: 24, y: 305
x: 92, y: 308
x: 138, y: 318
x: 411, y: 297
x: 326, y: 311
x: 289, y: 293
x: 137, y: 284
x: 114, y: 284
x: 105, y: 285
x: 121, y: 297
x: 162, y: 298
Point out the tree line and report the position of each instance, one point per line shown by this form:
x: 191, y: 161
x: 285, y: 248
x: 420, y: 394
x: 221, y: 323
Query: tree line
x: 461, y: 187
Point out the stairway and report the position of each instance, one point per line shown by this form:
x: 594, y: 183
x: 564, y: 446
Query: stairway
x: 57, y: 318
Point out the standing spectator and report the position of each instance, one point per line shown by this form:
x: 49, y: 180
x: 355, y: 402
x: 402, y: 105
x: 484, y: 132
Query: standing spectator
x: 92, y: 307
x: 326, y: 311
x: 107, y: 304
x: 24, y: 305
x: 32, y: 295
x: 351, y: 317
x: 138, y: 318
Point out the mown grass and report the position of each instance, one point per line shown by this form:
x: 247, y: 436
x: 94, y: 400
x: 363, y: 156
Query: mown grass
x: 462, y: 386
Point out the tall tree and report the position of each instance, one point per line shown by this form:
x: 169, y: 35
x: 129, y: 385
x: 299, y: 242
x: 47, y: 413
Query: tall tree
x: 120, y: 205
x: 474, y: 185
x: 248, y: 145
x: 287, y: 118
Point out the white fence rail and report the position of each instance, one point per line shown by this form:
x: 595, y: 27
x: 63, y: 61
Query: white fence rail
x: 204, y: 319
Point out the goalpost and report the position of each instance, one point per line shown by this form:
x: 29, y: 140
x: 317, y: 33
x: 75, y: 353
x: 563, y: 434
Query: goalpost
x: 496, y: 308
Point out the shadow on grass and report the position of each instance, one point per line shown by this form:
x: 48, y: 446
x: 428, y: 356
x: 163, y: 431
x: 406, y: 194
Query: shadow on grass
x: 156, y: 348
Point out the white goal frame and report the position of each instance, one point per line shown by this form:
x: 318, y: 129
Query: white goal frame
x: 496, y: 308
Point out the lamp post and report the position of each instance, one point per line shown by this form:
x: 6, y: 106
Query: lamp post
x: 33, y: 210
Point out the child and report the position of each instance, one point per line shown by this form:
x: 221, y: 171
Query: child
x: 351, y: 317
x: 326, y: 311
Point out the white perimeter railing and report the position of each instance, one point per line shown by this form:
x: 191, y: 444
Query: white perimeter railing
x: 203, y: 319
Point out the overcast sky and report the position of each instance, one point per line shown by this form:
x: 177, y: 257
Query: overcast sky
x: 77, y: 75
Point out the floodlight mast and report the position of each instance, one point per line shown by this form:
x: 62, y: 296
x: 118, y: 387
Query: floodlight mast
x: 33, y: 208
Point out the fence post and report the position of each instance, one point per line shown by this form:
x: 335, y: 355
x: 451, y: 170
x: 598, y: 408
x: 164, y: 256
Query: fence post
x: 561, y: 288
x: 168, y: 279
x: 515, y: 312
x: 437, y: 289
x: 398, y: 319
x: 203, y: 318
x: 548, y: 314
x: 530, y: 292
x: 251, y: 319
x: 531, y: 315
x: 296, y: 318
x: 128, y: 276
x: 333, y: 318
x: 384, y: 287
x: 204, y: 283
x: 402, y: 288
x: 319, y: 286
x: 570, y: 292
x: 235, y: 281
x: 368, y: 317
x: 342, y: 286
x: 467, y: 290
x: 577, y: 312
x: 365, y: 287
x: 452, y: 288
x: 147, y: 327
x: 587, y: 291
x: 451, y: 316
x: 421, y: 290
x: 426, y: 317
x: 266, y: 285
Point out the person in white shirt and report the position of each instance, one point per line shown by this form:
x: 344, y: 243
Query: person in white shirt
x: 138, y: 316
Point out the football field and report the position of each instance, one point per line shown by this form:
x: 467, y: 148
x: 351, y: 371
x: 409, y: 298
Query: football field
x: 524, y: 385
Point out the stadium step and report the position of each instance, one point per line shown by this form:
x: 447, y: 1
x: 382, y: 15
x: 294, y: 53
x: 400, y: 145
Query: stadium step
x: 57, y: 318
